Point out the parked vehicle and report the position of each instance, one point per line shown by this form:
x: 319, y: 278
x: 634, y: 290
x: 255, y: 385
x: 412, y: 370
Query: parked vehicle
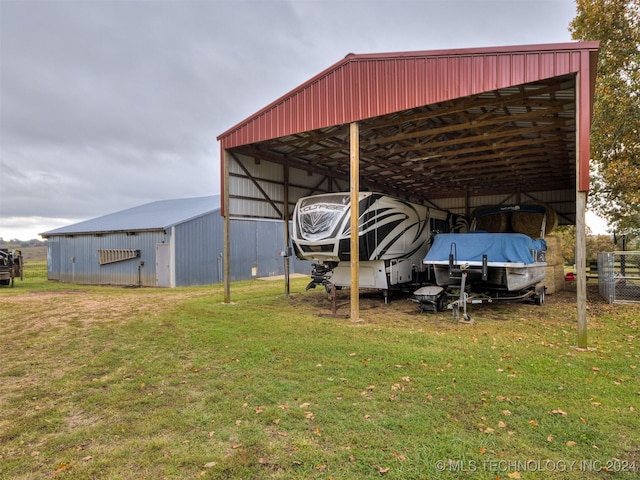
x: 509, y: 266
x: 11, y: 266
x: 394, y: 236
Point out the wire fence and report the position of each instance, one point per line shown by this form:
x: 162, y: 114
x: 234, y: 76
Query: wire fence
x: 619, y: 276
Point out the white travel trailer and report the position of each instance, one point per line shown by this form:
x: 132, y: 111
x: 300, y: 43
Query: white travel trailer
x: 394, y: 236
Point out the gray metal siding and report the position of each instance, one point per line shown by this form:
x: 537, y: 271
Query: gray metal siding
x: 270, y: 242
x: 196, y: 250
x: 53, y: 258
x: 198, y: 247
x: 243, y: 246
x: 259, y: 244
x: 77, y: 259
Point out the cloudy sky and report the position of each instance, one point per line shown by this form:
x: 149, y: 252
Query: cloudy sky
x: 109, y: 104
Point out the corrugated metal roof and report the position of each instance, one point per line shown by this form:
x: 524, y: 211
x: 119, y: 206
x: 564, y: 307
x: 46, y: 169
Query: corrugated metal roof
x: 158, y: 215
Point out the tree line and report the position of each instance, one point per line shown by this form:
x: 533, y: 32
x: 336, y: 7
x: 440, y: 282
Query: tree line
x: 615, y: 132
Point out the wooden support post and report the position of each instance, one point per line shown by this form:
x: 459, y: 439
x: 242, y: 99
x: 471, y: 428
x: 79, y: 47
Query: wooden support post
x: 582, y: 163
x: 581, y: 268
x: 354, y: 158
x: 226, y: 249
x: 285, y: 215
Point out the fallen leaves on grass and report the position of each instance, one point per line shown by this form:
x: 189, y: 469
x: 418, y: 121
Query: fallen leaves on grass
x: 63, y: 467
x: 557, y: 411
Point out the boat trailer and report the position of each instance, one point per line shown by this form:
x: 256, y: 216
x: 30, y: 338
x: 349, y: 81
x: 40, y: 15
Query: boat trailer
x: 435, y: 298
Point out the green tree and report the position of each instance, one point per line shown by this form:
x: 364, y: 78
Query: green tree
x: 567, y: 234
x: 615, y: 138
x: 595, y: 244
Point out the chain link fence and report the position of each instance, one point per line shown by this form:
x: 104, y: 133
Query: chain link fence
x: 619, y: 276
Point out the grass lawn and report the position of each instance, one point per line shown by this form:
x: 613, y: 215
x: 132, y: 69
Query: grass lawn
x: 110, y: 383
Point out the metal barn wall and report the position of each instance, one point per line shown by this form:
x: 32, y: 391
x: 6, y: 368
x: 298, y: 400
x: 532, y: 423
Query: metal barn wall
x: 198, y: 247
x: 258, y: 244
x: 53, y: 258
x: 77, y: 258
x: 559, y: 200
x: 269, y: 176
x: 198, y: 243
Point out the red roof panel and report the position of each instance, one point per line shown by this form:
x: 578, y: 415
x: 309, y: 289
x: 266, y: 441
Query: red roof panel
x: 364, y: 86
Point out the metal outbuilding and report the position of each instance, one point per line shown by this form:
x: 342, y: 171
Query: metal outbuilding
x: 453, y: 129
x: 167, y: 243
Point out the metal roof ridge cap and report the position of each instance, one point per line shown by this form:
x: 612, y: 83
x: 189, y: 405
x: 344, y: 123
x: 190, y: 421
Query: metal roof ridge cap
x: 543, y: 47
x: 100, y: 232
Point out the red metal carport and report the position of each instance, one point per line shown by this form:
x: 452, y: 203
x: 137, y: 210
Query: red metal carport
x: 454, y: 129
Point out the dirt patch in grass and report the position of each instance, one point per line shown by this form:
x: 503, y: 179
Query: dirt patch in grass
x: 39, y: 309
x: 401, y: 309
x: 85, y: 306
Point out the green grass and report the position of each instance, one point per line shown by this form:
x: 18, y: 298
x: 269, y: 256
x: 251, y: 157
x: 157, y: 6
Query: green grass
x: 102, y: 382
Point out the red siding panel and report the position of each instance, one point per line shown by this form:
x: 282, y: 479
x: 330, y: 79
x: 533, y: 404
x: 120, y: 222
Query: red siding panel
x: 464, y: 76
x: 531, y: 68
x: 477, y: 79
x: 515, y: 70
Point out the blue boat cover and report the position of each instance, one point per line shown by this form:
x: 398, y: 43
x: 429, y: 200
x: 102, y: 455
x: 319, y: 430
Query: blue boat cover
x: 499, y: 247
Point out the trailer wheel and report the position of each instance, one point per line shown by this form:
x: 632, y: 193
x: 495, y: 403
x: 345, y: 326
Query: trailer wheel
x: 441, y: 306
x: 538, y: 298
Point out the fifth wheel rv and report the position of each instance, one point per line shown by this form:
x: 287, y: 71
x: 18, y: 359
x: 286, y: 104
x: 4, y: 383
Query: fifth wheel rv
x: 394, y: 236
